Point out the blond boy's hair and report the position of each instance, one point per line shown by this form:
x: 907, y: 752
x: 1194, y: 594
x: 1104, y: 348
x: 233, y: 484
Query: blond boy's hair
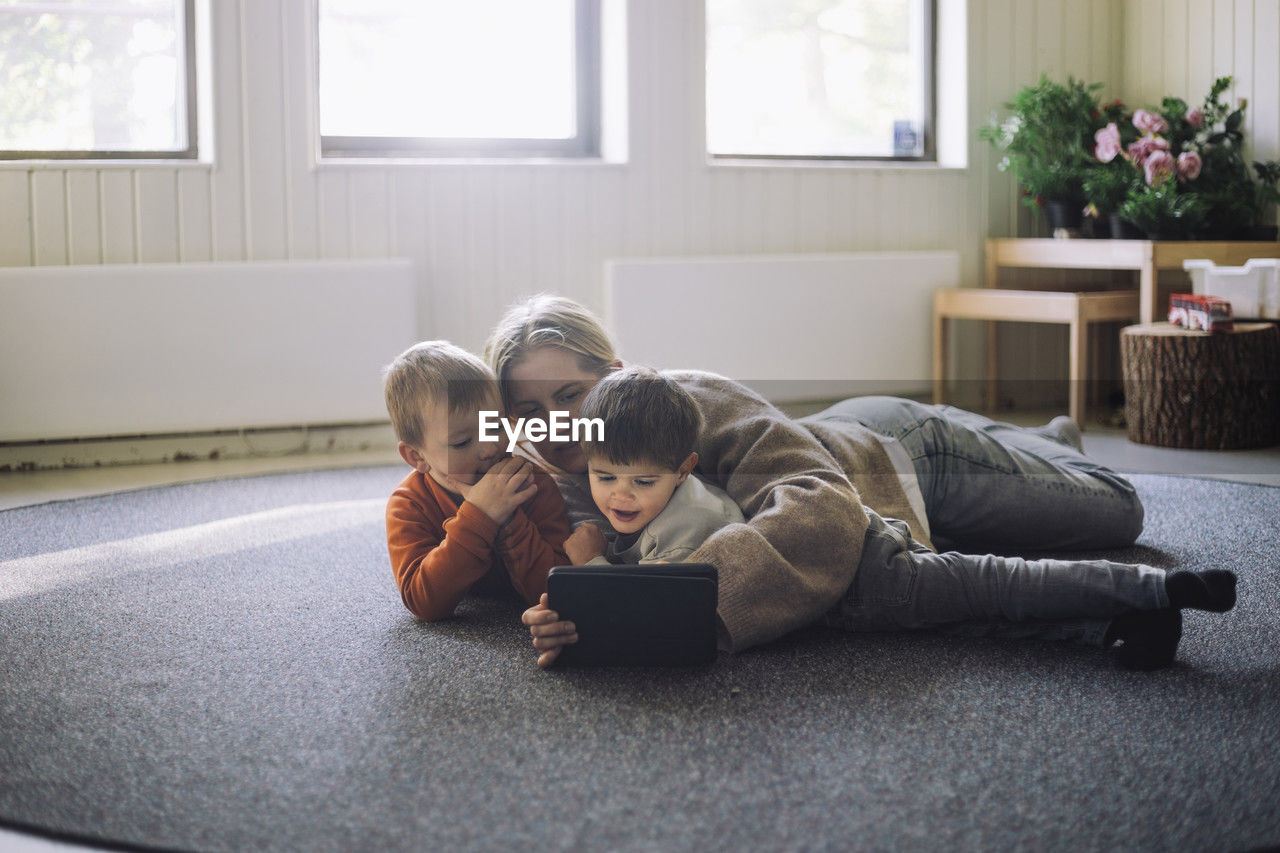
x: 428, y: 373
x: 548, y: 320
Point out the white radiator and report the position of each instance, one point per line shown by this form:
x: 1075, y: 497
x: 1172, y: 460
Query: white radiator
x: 88, y: 351
x: 795, y: 327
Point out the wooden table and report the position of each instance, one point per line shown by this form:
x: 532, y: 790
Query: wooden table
x: 1147, y: 257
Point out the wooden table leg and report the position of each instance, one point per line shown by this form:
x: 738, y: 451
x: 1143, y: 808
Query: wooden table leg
x: 991, y: 386
x: 939, y: 357
x: 993, y: 367
x: 1077, y: 371
x: 1148, y: 279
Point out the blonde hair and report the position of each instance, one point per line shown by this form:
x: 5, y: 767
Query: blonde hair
x: 430, y: 372
x: 548, y: 320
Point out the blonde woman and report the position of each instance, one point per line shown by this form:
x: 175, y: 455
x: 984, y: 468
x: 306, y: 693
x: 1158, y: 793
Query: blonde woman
x: 841, y: 508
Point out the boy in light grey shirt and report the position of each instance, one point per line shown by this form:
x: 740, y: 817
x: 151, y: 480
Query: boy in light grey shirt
x: 639, y: 474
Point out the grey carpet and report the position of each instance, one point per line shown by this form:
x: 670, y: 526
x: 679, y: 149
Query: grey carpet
x: 227, y: 665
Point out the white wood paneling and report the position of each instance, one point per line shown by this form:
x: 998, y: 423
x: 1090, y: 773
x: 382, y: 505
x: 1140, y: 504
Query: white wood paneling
x: 195, y: 216
x: 369, y: 209
x: 156, y: 191
x: 1266, y: 80
x: 1199, y: 48
x: 300, y: 185
x: 83, y: 237
x: 231, y: 135
x: 264, y: 109
x: 15, y: 218
x: 1224, y: 36
x: 116, y: 216
x: 1178, y: 47
x: 49, y: 217
x: 333, y: 216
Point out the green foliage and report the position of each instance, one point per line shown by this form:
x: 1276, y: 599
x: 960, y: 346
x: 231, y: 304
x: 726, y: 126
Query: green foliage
x: 1232, y: 200
x: 1267, y: 195
x: 1109, y: 184
x: 1165, y: 213
x: 1047, y: 141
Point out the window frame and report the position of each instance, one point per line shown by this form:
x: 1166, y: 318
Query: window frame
x: 187, y: 9
x: 929, y: 150
x: 588, y: 70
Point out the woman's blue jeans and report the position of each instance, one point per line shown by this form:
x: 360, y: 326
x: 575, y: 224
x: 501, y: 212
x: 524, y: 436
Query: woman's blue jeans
x: 994, y: 487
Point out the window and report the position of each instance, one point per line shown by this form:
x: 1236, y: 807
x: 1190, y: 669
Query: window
x: 483, y: 78
x: 97, y: 79
x: 840, y: 79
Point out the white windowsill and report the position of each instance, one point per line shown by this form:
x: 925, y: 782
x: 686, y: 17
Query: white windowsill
x: 327, y: 163
x: 99, y: 165
x: 833, y: 165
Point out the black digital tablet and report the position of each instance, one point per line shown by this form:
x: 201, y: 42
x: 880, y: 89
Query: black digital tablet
x: 637, y: 615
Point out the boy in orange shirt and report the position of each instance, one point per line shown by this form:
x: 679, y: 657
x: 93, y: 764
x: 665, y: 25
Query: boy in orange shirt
x: 469, y: 516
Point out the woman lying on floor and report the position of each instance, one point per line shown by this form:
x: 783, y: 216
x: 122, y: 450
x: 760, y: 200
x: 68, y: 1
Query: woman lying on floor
x: 842, y: 506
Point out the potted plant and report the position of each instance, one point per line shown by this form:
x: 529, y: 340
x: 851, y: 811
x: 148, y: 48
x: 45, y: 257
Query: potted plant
x: 1186, y: 172
x: 1105, y: 190
x: 1046, y: 142
x: 1266, y: 197
x: 1108, y: 183
x: 1163, y: 213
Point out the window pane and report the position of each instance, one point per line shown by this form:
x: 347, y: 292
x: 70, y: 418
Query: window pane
x: 448, y: 69
x: 839, y: 78
x: 93, y: 75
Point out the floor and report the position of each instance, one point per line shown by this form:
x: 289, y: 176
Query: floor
x: 26, y: 488
x: 1107, y: 445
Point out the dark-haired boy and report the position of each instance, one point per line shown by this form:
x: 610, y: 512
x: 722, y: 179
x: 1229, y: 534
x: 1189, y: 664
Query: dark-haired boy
x: 639, y: 474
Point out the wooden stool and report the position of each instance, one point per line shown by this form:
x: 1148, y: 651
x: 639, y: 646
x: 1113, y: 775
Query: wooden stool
x: 1076, y: 310
x: 1202, y: 390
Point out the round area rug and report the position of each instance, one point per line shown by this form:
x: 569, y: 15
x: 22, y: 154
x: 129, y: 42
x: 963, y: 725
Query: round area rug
x: 228, y: 665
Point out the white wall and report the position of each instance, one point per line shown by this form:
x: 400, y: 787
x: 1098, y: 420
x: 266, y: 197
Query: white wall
x: 1178, y: 47
x: 483, y: 235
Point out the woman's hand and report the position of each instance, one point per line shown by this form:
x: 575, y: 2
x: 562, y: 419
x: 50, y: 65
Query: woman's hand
x: 585, y: 544
x: 549, y: 633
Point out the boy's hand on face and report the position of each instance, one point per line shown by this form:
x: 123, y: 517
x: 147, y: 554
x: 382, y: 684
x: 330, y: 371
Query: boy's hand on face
x: 505, y: 486
x: 548, y: 632
x: 585, y: 544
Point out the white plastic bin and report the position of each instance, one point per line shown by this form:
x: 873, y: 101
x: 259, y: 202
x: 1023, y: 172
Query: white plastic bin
x: 1253, y: 289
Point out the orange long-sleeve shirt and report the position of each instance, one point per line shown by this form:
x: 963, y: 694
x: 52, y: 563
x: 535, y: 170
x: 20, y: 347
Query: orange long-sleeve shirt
x: 439, y: 547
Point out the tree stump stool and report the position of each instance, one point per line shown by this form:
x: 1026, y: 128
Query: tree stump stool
x: 1202, y: 390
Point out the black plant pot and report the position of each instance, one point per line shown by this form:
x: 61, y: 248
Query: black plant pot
x: 1063, y: 214
x: 1123, y: 229
x: 1260, y: 233
x: 1247, y: 233
x: 1097, y: 227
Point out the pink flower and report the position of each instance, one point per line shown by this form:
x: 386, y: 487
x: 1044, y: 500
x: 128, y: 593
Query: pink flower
x: 1195, y: 117
x: 1189, y: 164
x: 1158, y: 168
x: 1141, y: 149
x: 1108, y: 143
x: 1148, y: 122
